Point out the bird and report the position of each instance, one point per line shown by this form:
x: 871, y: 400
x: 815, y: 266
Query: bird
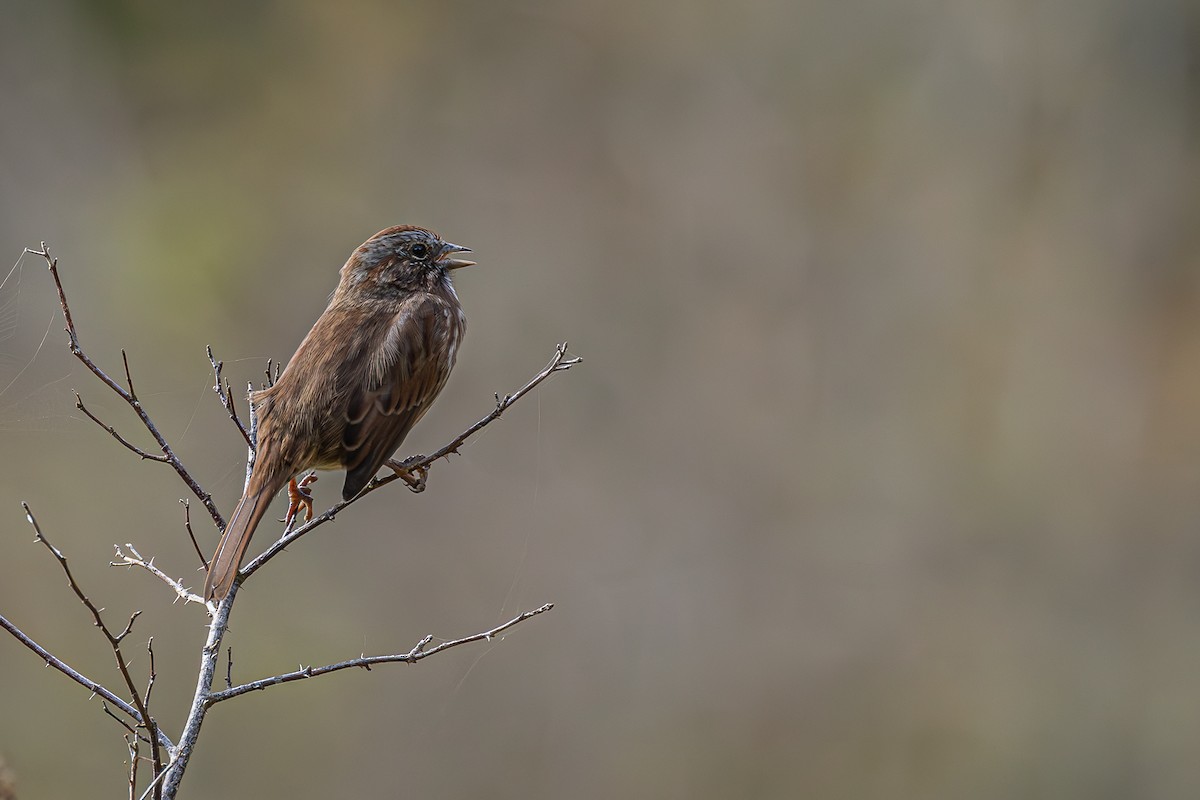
x: 372, y: 365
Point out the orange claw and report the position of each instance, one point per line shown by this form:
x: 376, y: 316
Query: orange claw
x: 299, y: 496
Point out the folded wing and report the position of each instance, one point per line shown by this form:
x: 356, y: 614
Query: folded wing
x: 404, y: 376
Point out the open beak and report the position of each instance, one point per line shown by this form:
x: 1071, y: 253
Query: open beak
x: 454, y: 263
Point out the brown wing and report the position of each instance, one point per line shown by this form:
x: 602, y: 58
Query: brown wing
x: 405, y: 375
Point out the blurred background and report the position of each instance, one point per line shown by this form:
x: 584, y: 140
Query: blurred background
x: 881, y: 476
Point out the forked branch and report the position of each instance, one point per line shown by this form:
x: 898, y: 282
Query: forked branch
x: 128, y: 395
x: 114, y: 641
x: 225, y: 394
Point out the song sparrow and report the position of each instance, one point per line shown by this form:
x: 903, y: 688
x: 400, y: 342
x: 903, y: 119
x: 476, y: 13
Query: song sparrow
x: 367, y: 371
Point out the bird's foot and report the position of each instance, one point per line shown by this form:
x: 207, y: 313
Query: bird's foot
x: 299, y: 497
x: 406, y: 471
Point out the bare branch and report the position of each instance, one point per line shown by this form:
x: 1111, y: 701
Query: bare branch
x: 113, y: 432
x: 136, y: 560
x: 131, y: 743
x: 52, y: 660
x: 225, y: 396
x: 128, y: 376
x: 126, y: 395
x: 97, y: 620
x: 417, y: 653
x: 120, y: 721
x: 187, y: 523
x: 114, y: 642
x: 153, y: 674
x: 128, y: 628
x: 154, y: 786
x: 418, y: 464
x: 558, y: 363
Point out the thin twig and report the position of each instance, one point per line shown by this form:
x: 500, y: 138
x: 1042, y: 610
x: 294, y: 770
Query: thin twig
x: 114, y: 642
x: 225, y: 396
x: 154, y: 784
x: 153, y: 674
x: 120, y: 721
x: 127, y: 396
x: 187, y: 523
x: 137, y: 560
x: 128, y: 628
x: 131, y: 743
x: 52, y: 660
x: 417, y: 653
x: 128, y: 375
x: 229, y: 667
x: 113, y: 432
x: 558, y: 363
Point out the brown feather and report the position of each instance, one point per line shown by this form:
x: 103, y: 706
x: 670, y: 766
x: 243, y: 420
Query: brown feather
x: 365, y: 374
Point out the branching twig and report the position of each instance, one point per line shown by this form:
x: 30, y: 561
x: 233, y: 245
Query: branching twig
x: 271, y: 378
x: 127, y: 395
x: 132, y: 730
x: 417, y: 653
x: 137, y: 560
x: 128, y: 628
x: 226, y: 396
x: 114, y: 641
x: 95, y: 687
x: 120, y: 721
x: 558, y: 363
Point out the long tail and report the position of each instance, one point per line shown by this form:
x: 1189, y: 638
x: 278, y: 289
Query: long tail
x: 232, y: 548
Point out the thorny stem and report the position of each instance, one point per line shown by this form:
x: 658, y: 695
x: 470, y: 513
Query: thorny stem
x: 93, y: 686
x: 195, y: 719
x: 137, y: 560
x: 417, y: 653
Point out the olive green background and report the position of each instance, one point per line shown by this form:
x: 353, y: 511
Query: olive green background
x: 880, y: 479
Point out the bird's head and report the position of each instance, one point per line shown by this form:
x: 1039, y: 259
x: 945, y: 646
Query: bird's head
x: 404, y: 257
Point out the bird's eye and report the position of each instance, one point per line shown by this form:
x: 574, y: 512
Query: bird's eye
x: 418, y: 250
